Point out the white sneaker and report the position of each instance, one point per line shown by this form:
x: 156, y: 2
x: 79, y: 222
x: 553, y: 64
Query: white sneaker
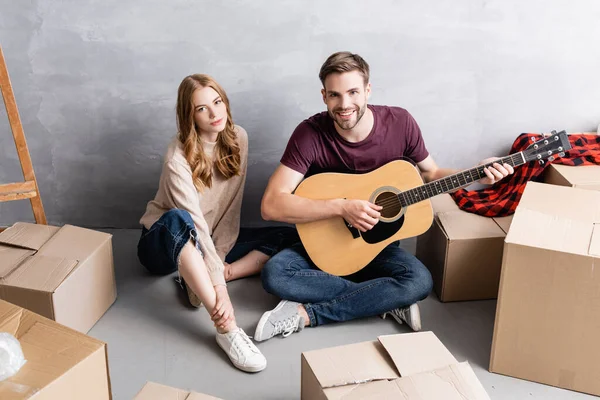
x: 411, y: 315
x: 283, y: 320
x: 241, y: 351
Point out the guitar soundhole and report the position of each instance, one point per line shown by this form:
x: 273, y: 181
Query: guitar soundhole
x: 390, y: 203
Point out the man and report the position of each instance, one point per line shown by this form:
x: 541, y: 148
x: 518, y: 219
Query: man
x: 351, y: 137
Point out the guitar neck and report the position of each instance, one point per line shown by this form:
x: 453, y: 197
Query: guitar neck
x: 453, y: 182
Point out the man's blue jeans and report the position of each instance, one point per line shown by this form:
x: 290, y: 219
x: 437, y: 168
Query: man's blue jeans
x: 394, y: 279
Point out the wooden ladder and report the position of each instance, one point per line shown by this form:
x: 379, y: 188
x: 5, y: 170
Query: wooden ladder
x: 29, y: 188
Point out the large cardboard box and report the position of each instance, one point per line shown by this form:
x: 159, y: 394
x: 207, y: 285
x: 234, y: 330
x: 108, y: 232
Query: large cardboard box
x: 61, y: 362
x: 411, y: 366
x: 548, y: 313
x: 65, y: 274
x: 463, y: 252
x: 582, y: 177
x: 155, y: 391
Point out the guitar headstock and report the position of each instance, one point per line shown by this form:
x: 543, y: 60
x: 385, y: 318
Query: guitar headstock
x: 547, y: 147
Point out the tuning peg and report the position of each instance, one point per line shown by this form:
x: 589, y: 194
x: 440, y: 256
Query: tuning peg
x: 561, y: 154
x: 541, y: 162
x: 551, y: 158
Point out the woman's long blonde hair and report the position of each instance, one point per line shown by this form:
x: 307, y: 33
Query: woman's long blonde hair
x: 226, y: 155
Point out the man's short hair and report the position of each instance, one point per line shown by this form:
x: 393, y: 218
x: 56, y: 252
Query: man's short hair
x: 344, y: 61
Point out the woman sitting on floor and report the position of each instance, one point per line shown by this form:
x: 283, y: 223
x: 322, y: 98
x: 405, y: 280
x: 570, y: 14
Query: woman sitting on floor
x: 193, y: 223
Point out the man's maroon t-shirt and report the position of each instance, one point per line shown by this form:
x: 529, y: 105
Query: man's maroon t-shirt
x: 315, y: 146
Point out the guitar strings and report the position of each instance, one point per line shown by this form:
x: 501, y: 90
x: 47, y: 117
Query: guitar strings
x: 393, y: 202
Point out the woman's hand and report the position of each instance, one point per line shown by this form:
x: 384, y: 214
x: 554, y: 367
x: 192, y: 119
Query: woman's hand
x: 222, y: 314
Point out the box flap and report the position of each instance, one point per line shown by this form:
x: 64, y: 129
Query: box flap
x: 155, y: 391
x: 453, y: 382
x: 579, y: 175
x: 349, y: 364
x: 463, y: 225
x: 557, y: 218
x: 200, y: 396
x: 383, y: 389
x: 536, y: 229
x: 42, y: 273
x: 595, y: 242
x: 10, y: 317
x: 504, y: 222
x: 11, y: 257
x: 74, y: 243
x: 49, y: 348
x: 417, y: 352
x: 443, y: 203
x: 561, y: 201
x: 28, y: 236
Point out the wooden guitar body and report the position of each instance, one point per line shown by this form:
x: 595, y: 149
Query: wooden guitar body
x: 341, y: 250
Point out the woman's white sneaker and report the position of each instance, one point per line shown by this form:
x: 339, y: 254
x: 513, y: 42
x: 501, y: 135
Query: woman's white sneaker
x: 241, y: 351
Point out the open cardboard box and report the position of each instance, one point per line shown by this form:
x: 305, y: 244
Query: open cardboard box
x: 463, y: 252
x: 65, y: 274
x: 547, y: 318
x: 155, y: 391
x: 61, y: 363
x: 411, y: 366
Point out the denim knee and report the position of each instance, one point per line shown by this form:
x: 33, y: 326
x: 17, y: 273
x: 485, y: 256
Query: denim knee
x: 176, y: 216
x: 422, y: 282
x: 160, y: 246
x: 271, y: 277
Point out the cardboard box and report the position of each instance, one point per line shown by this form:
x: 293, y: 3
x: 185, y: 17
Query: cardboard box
x: 65, y: 274
x: 463, y: 252
x: 582, y: 177
x: 155, y: 391
x: 547, y: 318
x: 61, y: 362
x: 411, y: 366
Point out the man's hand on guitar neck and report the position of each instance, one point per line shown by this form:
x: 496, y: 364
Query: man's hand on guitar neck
x: 361, y: 214
x: 495, y: 172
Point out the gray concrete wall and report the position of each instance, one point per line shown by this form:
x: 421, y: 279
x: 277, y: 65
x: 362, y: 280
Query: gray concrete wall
x: 95, y: 82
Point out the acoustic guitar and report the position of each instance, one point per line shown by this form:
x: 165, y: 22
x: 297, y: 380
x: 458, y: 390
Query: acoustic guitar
x: 340, y: 249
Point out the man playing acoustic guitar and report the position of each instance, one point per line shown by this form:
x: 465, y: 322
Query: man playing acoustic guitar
x: 351, y: 137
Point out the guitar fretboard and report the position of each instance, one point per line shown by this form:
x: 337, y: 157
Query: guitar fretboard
x: 453, y: 182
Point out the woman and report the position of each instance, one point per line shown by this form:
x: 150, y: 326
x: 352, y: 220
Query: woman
x: 193, y: 223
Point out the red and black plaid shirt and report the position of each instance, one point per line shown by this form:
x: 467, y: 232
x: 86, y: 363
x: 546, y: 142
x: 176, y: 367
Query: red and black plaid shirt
x: 502, y: 198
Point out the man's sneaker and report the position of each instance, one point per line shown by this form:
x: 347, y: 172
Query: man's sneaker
x: 241, y: 351
x: 194, y: 300
x: 283, y: 319
x: 411, y: 315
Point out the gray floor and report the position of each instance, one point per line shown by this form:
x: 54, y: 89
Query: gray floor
x: 153, y: 335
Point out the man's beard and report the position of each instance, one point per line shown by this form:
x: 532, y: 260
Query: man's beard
x: 348, y: 125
